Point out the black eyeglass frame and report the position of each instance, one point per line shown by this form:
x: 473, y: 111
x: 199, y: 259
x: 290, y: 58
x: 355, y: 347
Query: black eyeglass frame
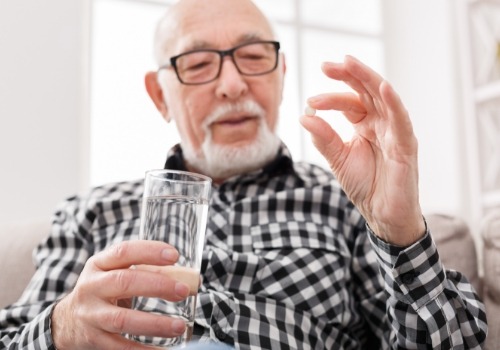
x: 222, y: 54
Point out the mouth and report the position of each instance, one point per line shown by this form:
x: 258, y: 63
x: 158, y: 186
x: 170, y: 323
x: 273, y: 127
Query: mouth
x: 234, y: 129
x: 236, y: 120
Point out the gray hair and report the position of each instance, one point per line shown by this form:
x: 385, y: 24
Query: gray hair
x: 166, y: 25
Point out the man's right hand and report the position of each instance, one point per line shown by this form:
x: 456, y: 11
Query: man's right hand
x: 90, y: 316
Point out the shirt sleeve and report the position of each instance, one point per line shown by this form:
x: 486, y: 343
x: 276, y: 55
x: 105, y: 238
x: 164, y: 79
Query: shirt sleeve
x: 33, y: 335
x: 427, y: 306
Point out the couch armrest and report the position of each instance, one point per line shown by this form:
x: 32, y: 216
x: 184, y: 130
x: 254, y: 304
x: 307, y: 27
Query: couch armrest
x: 456, y: 246
x: 16, y: 263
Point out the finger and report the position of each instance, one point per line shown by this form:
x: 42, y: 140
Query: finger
x: 348, y: 103
x: 106, y: 341
x: 119, y: 320
x: 126, y: 283
x: 371, y: 81
x: 187, y: 275
x: 338, y: 71
x: 126, y: 254
x: 392, y: 100
x: 325, y: 139
x: 367, y: 77
x: 398, y: 115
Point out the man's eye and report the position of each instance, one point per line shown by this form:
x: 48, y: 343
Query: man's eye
x: 252, y: 57
x: 197, y: 65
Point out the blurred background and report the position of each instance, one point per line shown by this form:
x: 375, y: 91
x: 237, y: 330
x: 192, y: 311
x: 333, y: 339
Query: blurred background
x: 74, y: 112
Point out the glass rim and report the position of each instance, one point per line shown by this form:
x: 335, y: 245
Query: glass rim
x: 191, y: 177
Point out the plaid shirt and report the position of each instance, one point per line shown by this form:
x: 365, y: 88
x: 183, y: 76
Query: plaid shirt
x: 289, y: 263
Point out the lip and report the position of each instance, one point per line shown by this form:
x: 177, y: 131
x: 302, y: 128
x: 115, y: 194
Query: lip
x: 235, y: 120
x: 235, y: 129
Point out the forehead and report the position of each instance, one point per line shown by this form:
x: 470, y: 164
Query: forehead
x: 215, y: 24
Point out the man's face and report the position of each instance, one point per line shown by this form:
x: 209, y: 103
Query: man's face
x: 221, y: 25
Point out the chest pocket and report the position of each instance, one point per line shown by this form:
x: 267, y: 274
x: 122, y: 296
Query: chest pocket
x: 116, y: 221
x: 304, y: 264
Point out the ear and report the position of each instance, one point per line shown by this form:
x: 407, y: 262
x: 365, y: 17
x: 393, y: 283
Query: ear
x: 283, y: 72
x: 283, y: 68
x: 156, y: 93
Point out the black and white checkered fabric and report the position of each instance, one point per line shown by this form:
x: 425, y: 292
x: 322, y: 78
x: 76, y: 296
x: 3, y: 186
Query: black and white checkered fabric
x: 289, y: 264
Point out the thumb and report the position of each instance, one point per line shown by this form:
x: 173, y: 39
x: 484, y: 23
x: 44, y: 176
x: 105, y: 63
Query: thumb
x: 324, y: 138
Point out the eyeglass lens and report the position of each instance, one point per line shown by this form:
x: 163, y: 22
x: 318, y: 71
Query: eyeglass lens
x: 203, y: 66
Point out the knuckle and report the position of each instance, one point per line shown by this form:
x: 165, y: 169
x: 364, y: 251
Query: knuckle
x: 91, y: 264
x: 163, y: 286
x: 159, y: 325
x: 118, y: 320
x: 120, y: 251
x: 89, y: 338
x: 123, y: 279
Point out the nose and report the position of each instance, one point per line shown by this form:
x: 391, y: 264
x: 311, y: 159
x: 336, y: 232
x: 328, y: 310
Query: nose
x: 230, y: 84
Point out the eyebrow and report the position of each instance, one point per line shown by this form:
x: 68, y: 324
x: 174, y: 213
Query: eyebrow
x: 242, y: 39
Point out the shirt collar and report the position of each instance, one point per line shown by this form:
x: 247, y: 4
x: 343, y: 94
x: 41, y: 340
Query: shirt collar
x: 282, y: 164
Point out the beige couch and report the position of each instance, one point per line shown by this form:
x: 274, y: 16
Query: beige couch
x: 491, y: 279
x: 453, y: 238
x: 16, y: 266
x: 458, y: 251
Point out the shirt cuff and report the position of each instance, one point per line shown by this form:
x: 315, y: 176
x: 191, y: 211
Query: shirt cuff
x: 38, y: 335
x: 413, y: 275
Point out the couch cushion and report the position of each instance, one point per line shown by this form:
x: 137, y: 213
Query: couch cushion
x: 491, y: 254
x: 16, y: 263
x: 456, y: 246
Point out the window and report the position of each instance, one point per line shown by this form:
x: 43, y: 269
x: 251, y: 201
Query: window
x: 128, y: 135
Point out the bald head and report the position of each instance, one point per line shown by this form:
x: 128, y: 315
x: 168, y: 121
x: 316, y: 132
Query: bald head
x: 190, y: 24
x: 226, y: 124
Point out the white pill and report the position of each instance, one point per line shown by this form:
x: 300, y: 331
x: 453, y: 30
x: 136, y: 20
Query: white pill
x: 310, y: 111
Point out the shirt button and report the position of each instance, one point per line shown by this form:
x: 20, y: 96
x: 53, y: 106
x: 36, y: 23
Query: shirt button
x: 220, y: 334
x: 408, y: 278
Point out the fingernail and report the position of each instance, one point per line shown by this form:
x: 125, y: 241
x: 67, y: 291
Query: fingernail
x: 181, y: 289
x: 169, y: 254
x: 311, y: 100
x: 178, y: 326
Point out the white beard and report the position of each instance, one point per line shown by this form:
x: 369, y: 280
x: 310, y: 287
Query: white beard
x: 223, y: 161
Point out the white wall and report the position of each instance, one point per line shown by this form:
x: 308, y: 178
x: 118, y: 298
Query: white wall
x: 41, y: 105
x: 44, y: 136
x: 421, y: 51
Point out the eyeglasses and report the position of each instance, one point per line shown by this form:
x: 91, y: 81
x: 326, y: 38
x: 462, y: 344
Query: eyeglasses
x: 203, y: 66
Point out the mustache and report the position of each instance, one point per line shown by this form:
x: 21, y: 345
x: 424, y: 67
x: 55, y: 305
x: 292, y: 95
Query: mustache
x: 246, y: 107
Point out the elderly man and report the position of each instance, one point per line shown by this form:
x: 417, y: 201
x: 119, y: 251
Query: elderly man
x: 296, y: 257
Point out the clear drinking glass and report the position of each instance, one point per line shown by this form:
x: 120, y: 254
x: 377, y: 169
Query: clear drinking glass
x: 174, y: 210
